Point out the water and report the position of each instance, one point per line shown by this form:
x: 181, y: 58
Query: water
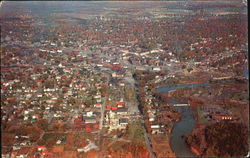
x: 167, y: 89
x: 184, y: 126
x: 246, y: 73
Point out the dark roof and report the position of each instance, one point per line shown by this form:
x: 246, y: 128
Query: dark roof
x: 121, y: 110
x: 89, y: 118
x: 123, y: 120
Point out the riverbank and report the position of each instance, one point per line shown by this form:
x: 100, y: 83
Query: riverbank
x: 215, y: 100
x: 157, y: 137
x: 192, y: 148
x: 180, y: 129
x: 157, y: 110
x: 185, y: 124
x: 162, y: 85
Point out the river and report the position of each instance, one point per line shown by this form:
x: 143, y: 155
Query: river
x: 246, y: 73
x: 167, y: 89
x: 182, y: 127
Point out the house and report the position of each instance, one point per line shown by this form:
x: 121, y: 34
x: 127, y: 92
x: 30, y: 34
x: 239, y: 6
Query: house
x: 151, y: 117
x: 98, y: 100
x: 88, y: 128
x: 114, y: 74
x: 123, y: 122
x: 5, y: 152
x: 45, y: 153
x: 5, y: 155
x: 153, y: 111
x: 26, y: 118
x: 13, y: 154
x: 222, y: 117
x: 98, y: 105
x: 91, y: 119
x: 78, y: 123
x: 90, y: 146
x: 80, y: 150
x: 121, y: 111
x: 41, y: 148
x: 121, y: 104
x: 23, y: 152
x: 156, y: 69
x: 89, y: 113
x: 113, y: 108
x: 155, y: 126
x: 155, y: 129
x: 96, y: 126
x: 108, y: 107
x: 97, y: 96
x: 58, y: 142
x: 35, y: 116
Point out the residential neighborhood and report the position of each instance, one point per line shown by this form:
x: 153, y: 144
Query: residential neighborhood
x: 124, y: 79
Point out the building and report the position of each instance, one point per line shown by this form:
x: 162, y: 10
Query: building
x: 121, y: 111
x: 222, y: 117
x: 91, y: 119
x: 123, y: 122
x: 155, y: 129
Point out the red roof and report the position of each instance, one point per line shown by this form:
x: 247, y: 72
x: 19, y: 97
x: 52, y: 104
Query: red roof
x: 5, y: 70
x: 108, y: 107
x: 221, y: 117
x: 14, y: 153
x: 104, y: 94
x: 88, y: 130
x: 4, y: 88
x: 121, y: 103
x: 45, y: 153
x: 96, y: 126
x: 41, y: 147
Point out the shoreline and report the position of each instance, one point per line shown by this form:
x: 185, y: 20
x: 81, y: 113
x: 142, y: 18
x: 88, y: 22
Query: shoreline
x: 164, y: 84
x: 192, y: 149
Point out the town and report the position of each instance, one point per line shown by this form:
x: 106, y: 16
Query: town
x: 109, y: 80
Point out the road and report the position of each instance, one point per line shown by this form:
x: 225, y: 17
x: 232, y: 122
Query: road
x: 148, y: 144
x: 132, y: 108
x: 103, y: 108
x: 146, y: 135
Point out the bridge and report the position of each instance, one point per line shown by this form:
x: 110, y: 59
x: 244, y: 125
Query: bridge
x: 222, y: 78
x: 181, y: 104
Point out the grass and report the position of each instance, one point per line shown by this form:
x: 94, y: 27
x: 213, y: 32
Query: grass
x: 136, y: 133
x: 54, y: 136
x: 201, y: 117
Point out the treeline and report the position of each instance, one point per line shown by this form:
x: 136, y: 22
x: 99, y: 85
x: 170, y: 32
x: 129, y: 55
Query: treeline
x: 227, y: 139
x: 222, y: 139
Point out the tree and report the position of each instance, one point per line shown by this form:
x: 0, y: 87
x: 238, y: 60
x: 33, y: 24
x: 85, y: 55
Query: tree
x: 43, y: 124
x: 41, y: 142
x: 50, y: 142
x: 7, y: 139
x: 227, y: 138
